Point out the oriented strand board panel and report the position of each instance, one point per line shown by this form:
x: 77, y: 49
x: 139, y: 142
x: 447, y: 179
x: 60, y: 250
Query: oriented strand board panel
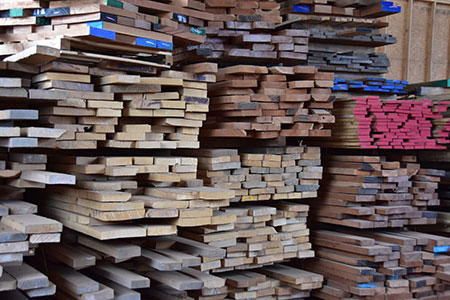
x: 420, y: 42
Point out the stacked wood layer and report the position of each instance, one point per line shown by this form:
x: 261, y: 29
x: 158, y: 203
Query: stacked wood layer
x: 246, y: 31
x: 441, y: 160
x: 354, y: 36
x: 375, y: 192
x: 371, y: 123
x: 116, y: 27
x: 370, y: 85
x: 243, y: 41
x: 343, y: 34
x: 207, y: 262
x: 22, y: 231
x: 162, y: 191
x: 349, y: 61
x: 357, y: 9
x: 90, y: 107
x: 265, y: 103
x: 381, y: 264
x: 259, y: 174
x: 256, y: 236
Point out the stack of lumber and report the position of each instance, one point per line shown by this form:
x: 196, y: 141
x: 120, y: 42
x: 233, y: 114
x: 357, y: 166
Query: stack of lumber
x: 28, y: 170
x: 124, y: 188
x: 371, y: 123
x: 266, y: 103
x: 259, y: 174
x: 357, y: 9
x: 173, y: 265
x: 371, y: 192
x: 353, y: 36
x: 19, y: 123
x: 128, y: 110
x: 22, y: 231
x: 246, y: 31
x: 439, y: 92
x: 441, y: 160
x: 343, y: 34
x: 27, y: 279
x: 313, y: 20
x: 238, y: 41
x: 369, y: 85
x: 138, y: 26
x: 380, y: 264
x: 349, y: 61
x: 273, y: 282
x: 241, y: 12
x: 255, y: 236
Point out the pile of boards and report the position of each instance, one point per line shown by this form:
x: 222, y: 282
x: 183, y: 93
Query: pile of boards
x: 343, y: 34
x: 357, y: 9
x: 266, y: 103
x: 371, y: 123
x: 256, y: 236
x: 243, y: 41
x: 258, y: 174
x: 354, y: 36
x: 21, y: 232
x: 381, y: 264
x: 246, y: 31
x: 162, y: 190
x: 20, y: 125
x: 439, y: 159
x: 89, y: 107
x: 147, y: 28
x: 370, y: 85
x: 364, y: 191
x: 172, y: 265
x: 348, y: 61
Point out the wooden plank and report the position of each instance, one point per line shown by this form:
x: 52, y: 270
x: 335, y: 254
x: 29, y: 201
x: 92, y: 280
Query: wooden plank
x: 29, y: 223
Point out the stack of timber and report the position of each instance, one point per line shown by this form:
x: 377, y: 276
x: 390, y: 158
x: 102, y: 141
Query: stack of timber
x: 348, y: 61
x: 439, y: 92
x: 274, y: 282
x: 253, y: 12
x: 371, y: 123
x: 343, y: 34
x: 172, y: 267
x: 381, y: 264
x: 441, y: 160
x: 246, y: 30
x: 369, y: 85
x: 128, y: 111
x: 22, y: 231
x: 207, y: 262
x: 238, y: 42
x: 95, y: 105
x: 29, y: 170
x: 357, y: 9
x: 266, y: 103
x: 354, y: 36
x: 259, y: 174
x: 161, y: 191
x: 19, y: 123
x: 254, y: 236
x: 375, y: 192
x: 117, y: 27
